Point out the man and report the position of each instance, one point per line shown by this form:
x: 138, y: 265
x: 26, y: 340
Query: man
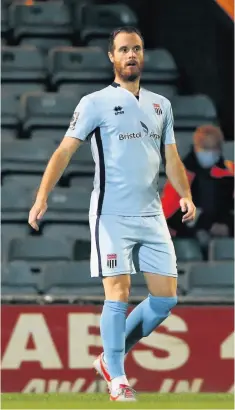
x: 212, y: 183
x: 128, y: 125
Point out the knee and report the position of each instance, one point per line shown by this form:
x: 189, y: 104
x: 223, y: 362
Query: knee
x: 120, y: 294
x: 163, y: 304
x: 172, y: 301
x: 117, y: 289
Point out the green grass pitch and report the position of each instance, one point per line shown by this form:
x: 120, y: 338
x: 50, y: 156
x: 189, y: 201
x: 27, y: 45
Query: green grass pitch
x: 101, y: 401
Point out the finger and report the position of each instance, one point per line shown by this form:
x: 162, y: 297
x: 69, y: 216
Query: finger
x: 183, y: 206
x: 34, y: 225
x: 190, y: 211
x: 40, y: 215
x: 189, y: 216
x: 32, y: 219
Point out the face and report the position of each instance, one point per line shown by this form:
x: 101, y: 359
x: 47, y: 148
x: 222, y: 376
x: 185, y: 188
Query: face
x: 208, y: 152
x: 127, y: 56
x: 209, y: 144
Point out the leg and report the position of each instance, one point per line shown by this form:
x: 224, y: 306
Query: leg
x: 113, y: 322
x: 111, y: 260
x: 153, y: 310
x: 162, y: 286
x: 112, y: 326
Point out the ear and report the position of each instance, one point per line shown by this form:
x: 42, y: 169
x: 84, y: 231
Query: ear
x: 110, y: 56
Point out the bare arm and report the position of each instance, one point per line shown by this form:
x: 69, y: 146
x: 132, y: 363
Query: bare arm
x: 176, y: 174
x: 175, y: 171
x: 56, y: 165
x: 55, y: 168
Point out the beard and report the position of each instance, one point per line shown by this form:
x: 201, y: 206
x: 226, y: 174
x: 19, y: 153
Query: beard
x: 129, y: 77
x: 125, y: 76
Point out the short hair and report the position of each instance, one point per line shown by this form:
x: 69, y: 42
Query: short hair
x: 124, y: 29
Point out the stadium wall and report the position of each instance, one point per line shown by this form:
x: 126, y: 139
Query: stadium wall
x: 51, y: 349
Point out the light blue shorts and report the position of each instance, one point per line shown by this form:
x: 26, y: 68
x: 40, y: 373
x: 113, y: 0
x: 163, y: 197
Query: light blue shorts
x: 126, y: 245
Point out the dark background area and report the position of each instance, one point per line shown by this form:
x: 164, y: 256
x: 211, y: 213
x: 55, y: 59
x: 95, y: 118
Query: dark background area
x: 200, y: 36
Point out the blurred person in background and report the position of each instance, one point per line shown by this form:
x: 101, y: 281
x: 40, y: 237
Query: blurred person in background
x: 211, y: 177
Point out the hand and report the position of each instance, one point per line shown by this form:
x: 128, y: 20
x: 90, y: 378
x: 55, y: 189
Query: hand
x: 219, y: 230
x: 188, y: 206
x: 36, y: 213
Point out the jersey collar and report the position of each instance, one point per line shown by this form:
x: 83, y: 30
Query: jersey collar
x: 116, y: 85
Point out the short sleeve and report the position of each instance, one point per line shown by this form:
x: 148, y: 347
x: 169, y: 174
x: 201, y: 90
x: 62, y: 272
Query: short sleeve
x: 168, y: 136
x: 84, y: 120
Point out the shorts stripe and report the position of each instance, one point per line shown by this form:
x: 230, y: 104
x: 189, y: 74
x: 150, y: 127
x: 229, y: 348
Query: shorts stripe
x: 102, y: 169
x: 101, y: 194
x: 98, y: 245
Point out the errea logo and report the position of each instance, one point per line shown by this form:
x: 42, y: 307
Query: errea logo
x: 118, y: 110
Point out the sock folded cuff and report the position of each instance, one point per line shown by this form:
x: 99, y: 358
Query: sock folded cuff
x: 116, y: 305
x: 168, y: 302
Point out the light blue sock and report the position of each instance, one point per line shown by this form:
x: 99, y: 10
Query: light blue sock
x: 146, y: 317
x: 112, y: 329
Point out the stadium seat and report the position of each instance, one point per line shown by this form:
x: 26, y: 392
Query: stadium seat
x: 15, y: 204
x: 82, y: 181
x: 8, y: 232
x: 40, y: 249
x: 70, y: 64
x: 14, y: 180
x: 20, y: 291
x: 27, y: 151
x: 22, y: 64
x: 84, y: 156
x: 228, y: 150
x: 9, y: 111
x: 159, y: 66
x: 64, y: 205
x: 82, y: 250
x: 193, y: 111
x: 37, y: 151
x: 46, y: 110
x: 80, y: 90
x: 182, y: 280
x: 71, y: 278
x: 38, y: 168
x: 14, y: 230
x: 55, y: 135
x: 167, y: 91
x: 69, y: 200
x: 99, y: 42
x: 221, y: 249
x: 49, y: 18
x: 187, y: 250
x: 184, y: 141
x: 100, y: 20
x: 19, y: 274
x: 17, y: 89
x: 4, y: 20
x: 67, y: 231
x: 211, y: 279
x: 8, y: 135
x: 138, y: 285
x: 45, y: 44
x: 77, y: 11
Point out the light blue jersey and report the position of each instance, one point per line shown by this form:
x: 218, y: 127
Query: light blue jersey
x: 126, y: 136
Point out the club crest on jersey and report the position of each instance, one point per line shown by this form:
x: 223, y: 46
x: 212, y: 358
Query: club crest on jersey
x: 74, y: 120
x: 157, y: 109
x: 112, y: 260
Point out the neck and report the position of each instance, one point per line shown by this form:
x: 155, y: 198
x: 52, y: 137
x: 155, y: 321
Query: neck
x: 132, y: 86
